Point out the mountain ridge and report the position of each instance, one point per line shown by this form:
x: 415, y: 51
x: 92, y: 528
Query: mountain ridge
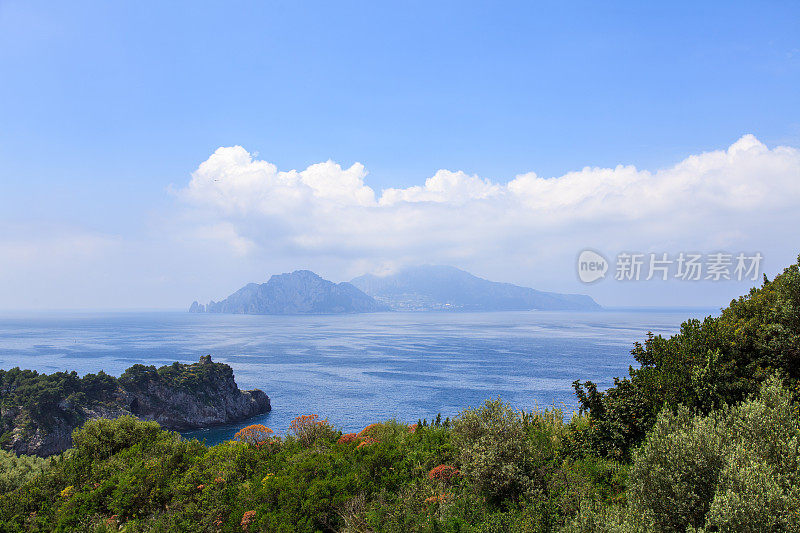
x: 419, y: 288
x: 441, y: 288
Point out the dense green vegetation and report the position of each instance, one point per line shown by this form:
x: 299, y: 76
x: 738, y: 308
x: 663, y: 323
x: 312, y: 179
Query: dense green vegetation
x: 705, y: 436
x: 16, y: 471
x: 41, y: 398
x: 38, y: 412
x: 177, y: 376
x: 706, y: 365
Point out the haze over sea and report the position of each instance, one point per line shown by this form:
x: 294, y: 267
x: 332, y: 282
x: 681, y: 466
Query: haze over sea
x: 353, y: 369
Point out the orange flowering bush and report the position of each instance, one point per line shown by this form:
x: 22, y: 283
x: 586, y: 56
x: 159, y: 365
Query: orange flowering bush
x: 303, y: 422
x: 246, y: 519
x: 412, y: 428
x: 256, y: 435
x: 369, y: 430
x: 444, y: 473
x: 347, y: 438
x: 309, y: 428
x: 366, y: 442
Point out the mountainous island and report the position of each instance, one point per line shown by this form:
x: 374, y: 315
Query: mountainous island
x: 443, y: 288
x: 301, y: 292
x: 422, y: 288
x: 38, y: 412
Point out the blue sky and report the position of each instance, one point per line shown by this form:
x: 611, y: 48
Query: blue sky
x: 106, y: 109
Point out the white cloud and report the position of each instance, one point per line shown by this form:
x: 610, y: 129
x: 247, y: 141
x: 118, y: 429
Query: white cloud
x: 241, y: 219
x: 326, y: 208
x: 444, y: 186
x: 745, y: 177
x: 225, y: 233
x: 233, y: 182
x: 526, y: 230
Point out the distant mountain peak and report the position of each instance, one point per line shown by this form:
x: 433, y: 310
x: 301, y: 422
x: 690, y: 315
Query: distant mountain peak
x: 443, y: 287
x: 292, y: 293
x: 298, y: 274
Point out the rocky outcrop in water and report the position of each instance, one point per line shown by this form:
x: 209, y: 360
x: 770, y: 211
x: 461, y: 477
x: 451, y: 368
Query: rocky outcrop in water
x: 39, y: 412
x: 189, y: 396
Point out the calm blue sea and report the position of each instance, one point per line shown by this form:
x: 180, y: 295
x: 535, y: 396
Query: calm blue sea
x: 353, y: 369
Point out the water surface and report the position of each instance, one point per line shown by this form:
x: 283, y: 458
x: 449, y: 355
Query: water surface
x: 353, y: 369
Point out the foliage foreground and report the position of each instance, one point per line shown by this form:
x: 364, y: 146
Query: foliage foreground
x: 704, y: 436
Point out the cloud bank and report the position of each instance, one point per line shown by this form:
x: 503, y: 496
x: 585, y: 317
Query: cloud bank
x: 713, y: 200
x: 240, y: 219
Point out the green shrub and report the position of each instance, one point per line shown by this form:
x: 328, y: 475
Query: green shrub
x: 18, y: 470
x: 594, y: 517
x: 100, y: 439
x: 759, y: 488
x: 735, y: 469
x: 494, y: 448
x: 709, y: 363
x: 310, y: 430
x: 753, y: 497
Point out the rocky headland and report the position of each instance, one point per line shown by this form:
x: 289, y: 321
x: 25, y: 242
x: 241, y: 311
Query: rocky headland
x: 38, y: 412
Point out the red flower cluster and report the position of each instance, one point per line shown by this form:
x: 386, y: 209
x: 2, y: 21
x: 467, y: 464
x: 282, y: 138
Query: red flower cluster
x: 367, y: 430
x: 307, y: 428
x: 443, y: 473
x: 246, y: 519
x: 366, y: 442
x: 412, y: 428
x: 347, y: 438
x: 256, y: 435
x: 303, y: 422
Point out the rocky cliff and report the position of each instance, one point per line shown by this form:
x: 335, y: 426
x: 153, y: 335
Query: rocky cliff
x: 39, y: 412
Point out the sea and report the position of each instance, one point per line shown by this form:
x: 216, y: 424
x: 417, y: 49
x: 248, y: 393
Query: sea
x: 354, y: 369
